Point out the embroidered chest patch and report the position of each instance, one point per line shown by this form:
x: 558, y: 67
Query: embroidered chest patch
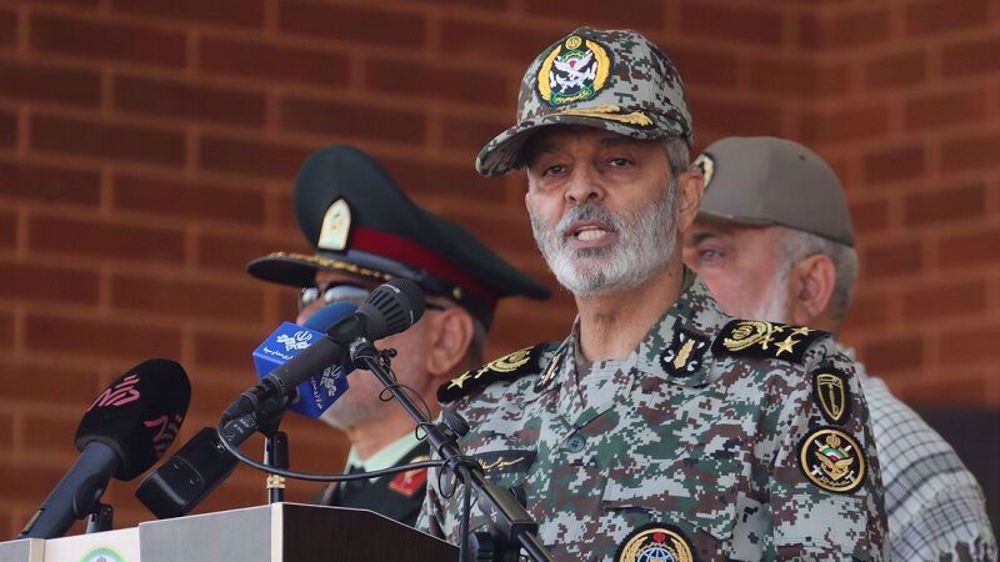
x: 655, y: 543
x: 506, y: 462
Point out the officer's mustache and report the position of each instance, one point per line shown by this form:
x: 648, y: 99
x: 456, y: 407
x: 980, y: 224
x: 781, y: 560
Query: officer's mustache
x: 585, y: 212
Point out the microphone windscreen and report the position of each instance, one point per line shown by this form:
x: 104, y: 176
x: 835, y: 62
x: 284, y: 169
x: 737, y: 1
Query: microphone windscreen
x: 138, y: 415
x: 392, y: 307
x: 322, y: 319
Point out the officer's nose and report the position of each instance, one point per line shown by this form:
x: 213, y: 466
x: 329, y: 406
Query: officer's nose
x: 584, y: 186
x: 308, y: 311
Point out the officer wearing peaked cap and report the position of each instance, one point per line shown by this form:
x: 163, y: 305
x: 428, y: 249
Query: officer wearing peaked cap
x: 365, y: 231
x: 660, y: 428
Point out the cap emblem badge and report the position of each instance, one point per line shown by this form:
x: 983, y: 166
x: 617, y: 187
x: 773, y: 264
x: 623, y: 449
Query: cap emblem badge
x: 336, y: 227
x: 575, y: 70
x: 705, y: 164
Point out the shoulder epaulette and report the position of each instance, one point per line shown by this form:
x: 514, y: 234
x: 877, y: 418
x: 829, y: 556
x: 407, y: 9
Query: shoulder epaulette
x: 757, y: 338
x: 507, y: 368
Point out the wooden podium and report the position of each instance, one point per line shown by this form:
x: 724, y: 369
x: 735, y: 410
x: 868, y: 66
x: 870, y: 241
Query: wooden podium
x: 281, y: 532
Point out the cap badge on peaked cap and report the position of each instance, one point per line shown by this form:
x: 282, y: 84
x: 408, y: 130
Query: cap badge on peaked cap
x: 705, y: 164
x: 573, y: 71
x: 336, y: 227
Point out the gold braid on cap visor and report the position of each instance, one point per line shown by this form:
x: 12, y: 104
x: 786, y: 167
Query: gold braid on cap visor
x: 336, y: 265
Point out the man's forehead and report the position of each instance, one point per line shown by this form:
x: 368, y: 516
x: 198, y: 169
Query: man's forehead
x: 706, y: 228
x: 556, y: 136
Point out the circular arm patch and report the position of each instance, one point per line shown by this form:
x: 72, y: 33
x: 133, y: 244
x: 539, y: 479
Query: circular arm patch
x: 833, y: 460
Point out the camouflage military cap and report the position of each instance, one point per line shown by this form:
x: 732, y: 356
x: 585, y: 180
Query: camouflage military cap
x: 609, y: 79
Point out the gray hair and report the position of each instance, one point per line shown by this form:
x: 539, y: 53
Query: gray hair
x: 795, y: 245
x: 678, y: 155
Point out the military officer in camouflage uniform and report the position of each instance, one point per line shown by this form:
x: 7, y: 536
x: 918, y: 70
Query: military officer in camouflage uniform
x: 774, y: 241
x: 660, y: 428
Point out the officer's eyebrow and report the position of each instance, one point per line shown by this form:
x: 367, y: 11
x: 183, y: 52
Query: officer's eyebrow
x: 697, y: 237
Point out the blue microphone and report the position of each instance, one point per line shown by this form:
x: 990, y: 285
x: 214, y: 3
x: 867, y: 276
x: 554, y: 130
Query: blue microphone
x: 315, y: 394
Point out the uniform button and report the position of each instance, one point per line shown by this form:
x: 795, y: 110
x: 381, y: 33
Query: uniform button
x: 576, y: 443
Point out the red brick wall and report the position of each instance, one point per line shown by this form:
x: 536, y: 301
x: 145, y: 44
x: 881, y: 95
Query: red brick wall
x: 147, y: 148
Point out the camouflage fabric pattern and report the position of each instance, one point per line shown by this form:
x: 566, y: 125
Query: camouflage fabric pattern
x: 712, y: 453
x: 612, y: 79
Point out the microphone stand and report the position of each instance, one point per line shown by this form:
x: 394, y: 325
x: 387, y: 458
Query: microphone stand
x: 513, y: 527
x: 276, y: 455
x: 269, y: 415
x: 100, y: 519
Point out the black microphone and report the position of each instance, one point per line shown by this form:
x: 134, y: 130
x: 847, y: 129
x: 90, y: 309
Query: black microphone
x: 390, y: 309
x: 124, y: 431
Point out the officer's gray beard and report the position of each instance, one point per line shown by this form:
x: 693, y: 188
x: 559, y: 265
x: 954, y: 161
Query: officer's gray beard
x: 343, y: 415
x: 646, y: 242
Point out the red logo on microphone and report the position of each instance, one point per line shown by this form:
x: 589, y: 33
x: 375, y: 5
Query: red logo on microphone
x: 167, y: 432
x: 118, y: 395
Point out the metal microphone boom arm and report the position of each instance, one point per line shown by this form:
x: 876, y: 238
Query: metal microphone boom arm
x: 512, y: 525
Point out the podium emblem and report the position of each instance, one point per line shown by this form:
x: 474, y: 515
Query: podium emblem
x: 102, y: 554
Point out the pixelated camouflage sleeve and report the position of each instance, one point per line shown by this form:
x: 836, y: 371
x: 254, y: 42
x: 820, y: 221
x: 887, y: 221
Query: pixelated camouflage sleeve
x: 825, y: 490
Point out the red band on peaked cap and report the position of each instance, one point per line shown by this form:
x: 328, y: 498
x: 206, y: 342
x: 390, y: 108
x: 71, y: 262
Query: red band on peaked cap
x: 413, y: 254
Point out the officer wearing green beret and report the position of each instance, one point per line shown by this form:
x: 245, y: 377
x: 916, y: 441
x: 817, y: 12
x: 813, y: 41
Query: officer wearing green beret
x: 660, y: 428
x: 365, y: 231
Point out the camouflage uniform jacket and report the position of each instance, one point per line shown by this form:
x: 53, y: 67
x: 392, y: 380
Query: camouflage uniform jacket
x: 698, y: 445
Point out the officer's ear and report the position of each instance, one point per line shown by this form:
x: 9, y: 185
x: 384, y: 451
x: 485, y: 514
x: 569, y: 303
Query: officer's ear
x: 452, y: 332
x: 811, y: 284
x: 690, y: 187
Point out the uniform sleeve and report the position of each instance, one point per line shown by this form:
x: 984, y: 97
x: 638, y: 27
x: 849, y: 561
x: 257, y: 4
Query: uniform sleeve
x: 431, y: 515
x: 824, y: 486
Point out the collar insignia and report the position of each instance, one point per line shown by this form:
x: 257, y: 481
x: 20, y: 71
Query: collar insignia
x: 832, y: 394
x: 507, y: 368
x: 573, y: 71
x: 655, y: 542
x: 550, y: 371
x: 412, y: 481
x: 833, y: 460
x: 336, y: 227
x: 683, y: 357
x: 757, y: 338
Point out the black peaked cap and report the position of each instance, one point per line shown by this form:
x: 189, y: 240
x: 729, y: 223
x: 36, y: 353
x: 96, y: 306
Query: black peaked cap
x: 361, y: 223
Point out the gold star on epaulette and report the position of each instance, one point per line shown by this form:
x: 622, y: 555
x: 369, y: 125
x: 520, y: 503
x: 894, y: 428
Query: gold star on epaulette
x: 458, y: 381
x: 754, y: 338
x: 509, y: 367
x: 785, y: 346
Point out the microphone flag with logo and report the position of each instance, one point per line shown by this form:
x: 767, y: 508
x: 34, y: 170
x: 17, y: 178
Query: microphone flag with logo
x: 314, y: 395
